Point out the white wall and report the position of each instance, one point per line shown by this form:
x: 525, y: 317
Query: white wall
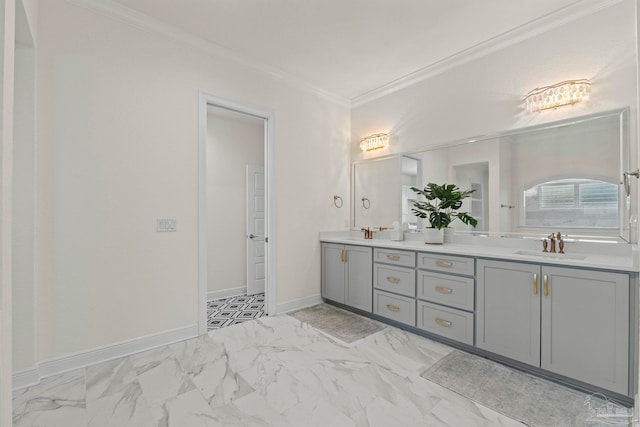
x: 31, y: 12
x: 117, y: 148
x: 23, y: 241
x: 24, y: 212
x: 7, y: 63
x: 233, y: 142
x: 485, y: 95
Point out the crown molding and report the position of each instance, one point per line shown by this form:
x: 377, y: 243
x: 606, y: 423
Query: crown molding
x: 141, y: 21
x: 516, y: 35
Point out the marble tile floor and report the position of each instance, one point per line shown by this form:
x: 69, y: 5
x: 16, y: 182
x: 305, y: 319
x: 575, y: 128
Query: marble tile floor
x: 273, y: 371
x: 230, y: 311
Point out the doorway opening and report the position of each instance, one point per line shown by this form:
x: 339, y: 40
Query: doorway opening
x: 235, y: 265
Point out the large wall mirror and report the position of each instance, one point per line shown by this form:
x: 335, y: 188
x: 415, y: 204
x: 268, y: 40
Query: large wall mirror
x: 565, y: 176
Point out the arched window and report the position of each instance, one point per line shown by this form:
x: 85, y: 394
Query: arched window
x: 571, y: 203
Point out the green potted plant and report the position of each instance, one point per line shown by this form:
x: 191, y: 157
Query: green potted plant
x: 440, y: 208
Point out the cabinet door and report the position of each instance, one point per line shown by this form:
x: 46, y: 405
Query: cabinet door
x: 359, y: 292
x: 333, y: 272
x: 585, y: 326
x: 508, y: 310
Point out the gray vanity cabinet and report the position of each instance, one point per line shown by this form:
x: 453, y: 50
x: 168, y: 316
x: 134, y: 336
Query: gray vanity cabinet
x: 347, y: 275
x: 394, y: 285
x: 445, y: 291
x: 568, y: 321
x: 585, y: 326
x: 508, y: 310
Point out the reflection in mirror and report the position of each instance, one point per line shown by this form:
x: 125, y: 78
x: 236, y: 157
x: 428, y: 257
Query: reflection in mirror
x: 573, y: 202
x: 475, y: 177
x: 411, y: 172
x: 376, y: 196
x: 382, y: 191
x: 563, y: 176
x: 567, y: 179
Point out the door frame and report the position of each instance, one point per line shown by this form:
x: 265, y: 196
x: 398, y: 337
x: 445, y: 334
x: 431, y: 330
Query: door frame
x: 205, y: 99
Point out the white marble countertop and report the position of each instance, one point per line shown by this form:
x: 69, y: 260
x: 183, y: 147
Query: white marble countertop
x: 605, y: 256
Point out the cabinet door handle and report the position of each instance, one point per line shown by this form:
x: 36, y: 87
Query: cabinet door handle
x: 443, y: 322
x: 441, y: 263
x: 343, y: 255
x: 443, y: 290
x: 393, y: 280
x: 394, y: 257
x: 393, y: 307
x: 546, y: 285
x: 535, y: 283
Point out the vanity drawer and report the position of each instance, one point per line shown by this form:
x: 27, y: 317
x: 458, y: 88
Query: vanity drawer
x: 454, y: 291
x: 392, y: 256
x: 395, y: 307
x: 447, y: 322
x: 447, y: 263
x: 400, y: 280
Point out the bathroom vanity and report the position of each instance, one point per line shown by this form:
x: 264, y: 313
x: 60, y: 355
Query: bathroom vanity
x: 571, y: 317
x: 568, y: 317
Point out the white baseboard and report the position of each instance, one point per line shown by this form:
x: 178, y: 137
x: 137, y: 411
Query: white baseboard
x: 25, y: 378
x: 226, y: 293
x: 81, y: 359
x: 297, y: 304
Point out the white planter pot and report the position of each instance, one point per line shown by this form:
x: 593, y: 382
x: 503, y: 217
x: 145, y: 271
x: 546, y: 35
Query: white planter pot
x: 433, y: 236
x: 448, y: 234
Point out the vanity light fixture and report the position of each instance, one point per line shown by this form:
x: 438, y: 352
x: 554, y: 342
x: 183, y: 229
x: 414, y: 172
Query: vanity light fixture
x: 373, y: 142
x: 563, y: 93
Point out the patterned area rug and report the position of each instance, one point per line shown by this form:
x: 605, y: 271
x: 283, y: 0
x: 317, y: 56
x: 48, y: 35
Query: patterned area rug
x: 229, y: 311
x: 531, y: 400
x: 338, y: 323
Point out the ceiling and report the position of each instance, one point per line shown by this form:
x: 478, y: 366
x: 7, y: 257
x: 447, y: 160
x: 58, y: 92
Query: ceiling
x: 346, y: 47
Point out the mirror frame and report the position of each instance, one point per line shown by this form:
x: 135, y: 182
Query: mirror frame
x: 625, y: 235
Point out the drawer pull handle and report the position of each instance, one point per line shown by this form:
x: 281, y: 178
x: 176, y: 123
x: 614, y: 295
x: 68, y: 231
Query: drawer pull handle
x: 443, y: 322
x: 444, y: 290
x: 393, y: 307
x: 393, y: 280
x: 393, y: 257
x: 441, y: 263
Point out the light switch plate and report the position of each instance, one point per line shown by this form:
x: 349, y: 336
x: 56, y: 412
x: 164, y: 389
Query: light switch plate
x: 165, y: 225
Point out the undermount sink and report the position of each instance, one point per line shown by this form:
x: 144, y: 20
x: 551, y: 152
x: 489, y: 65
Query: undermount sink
x: 550, y: 255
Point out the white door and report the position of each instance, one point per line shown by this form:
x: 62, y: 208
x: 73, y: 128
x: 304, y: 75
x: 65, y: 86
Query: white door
x: 255, y: 230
